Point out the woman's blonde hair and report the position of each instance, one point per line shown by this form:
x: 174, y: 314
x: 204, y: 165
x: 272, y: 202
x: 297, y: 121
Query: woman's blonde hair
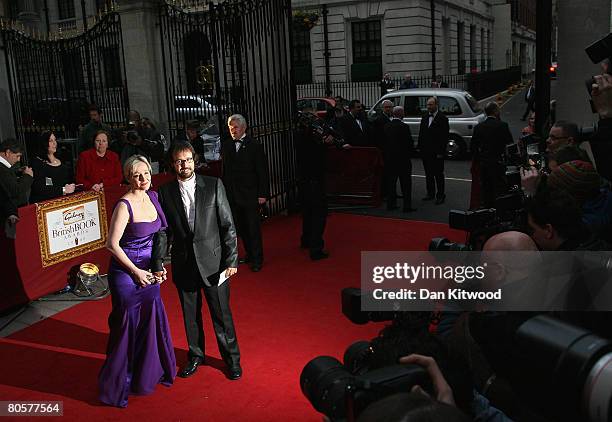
x: 130, y: 163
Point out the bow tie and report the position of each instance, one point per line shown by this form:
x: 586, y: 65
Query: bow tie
x: 238, y: 141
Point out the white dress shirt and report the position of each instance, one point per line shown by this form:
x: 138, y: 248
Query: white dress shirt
x: 3, y: 161
x: 239, y: 144
x: 187, y: 189
x: 431, y: 118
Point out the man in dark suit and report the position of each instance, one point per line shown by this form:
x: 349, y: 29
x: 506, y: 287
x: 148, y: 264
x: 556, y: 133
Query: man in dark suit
x: 354, y: 126
x: 529, y: 99
x: 489, y: 147
x: 398, y: 148
x: 204, y: 249
x: 379, y: 126
x: 433, y: 137
x: 17, y: 187
x: 245, y: 175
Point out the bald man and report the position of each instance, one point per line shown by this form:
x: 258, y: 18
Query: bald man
x: 514, y: 263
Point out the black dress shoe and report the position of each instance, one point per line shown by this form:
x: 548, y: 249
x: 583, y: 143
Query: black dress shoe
x: 440, y: 200
x: 191, y: 367
x: 244, y: 260
x: 318, y: 255
x: 256, y: 268
x: 392, y: 207
x: 409, y: 209
x: 235, y: 372
x: 428, y: 198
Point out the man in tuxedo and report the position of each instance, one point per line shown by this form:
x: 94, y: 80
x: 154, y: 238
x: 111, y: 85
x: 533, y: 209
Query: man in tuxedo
x: 204, y: 248
x: 433, y: 136
x: 354, y: 126
x: 245, y: 175
x: 398, y: 148
x: 489, y: 147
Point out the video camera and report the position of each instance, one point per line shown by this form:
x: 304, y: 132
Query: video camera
x: 320, y: 127
x: 369, y: 371
x: 131, y: 133
x: 341, y: 395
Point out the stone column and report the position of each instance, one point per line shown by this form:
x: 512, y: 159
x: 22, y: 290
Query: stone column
x: 141, y: 42
x: 580, y: 24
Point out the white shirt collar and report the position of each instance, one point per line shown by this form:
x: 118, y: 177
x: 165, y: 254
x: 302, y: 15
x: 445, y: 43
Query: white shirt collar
x: 189, y: 183
x: 3, y: 161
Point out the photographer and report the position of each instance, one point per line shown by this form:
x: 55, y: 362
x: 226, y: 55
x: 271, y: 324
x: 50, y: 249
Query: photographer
x: 555, y: 222
x: 601, y: 143
x: 135, y: 139
x: 489, y: 144
x: 311, y: 156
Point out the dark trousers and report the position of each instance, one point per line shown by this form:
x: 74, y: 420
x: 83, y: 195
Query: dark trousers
x: 248, y: 227
x: 529, y: 109
x: 434, y: 175
x: 403, y: 172
x: 314, y: 213
x: 217, y: 298
x: 492, y: 183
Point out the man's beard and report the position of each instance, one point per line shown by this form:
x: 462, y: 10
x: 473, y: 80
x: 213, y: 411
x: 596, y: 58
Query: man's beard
x: 185, y: 174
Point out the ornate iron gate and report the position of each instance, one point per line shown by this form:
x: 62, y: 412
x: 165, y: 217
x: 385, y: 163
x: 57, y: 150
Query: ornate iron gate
x: 234, y: 57
x: 53, y: 81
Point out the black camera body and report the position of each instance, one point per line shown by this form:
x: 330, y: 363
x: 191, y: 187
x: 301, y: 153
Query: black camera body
x: 131, y: 133
x: 320, y: 128
x: 335, y: 391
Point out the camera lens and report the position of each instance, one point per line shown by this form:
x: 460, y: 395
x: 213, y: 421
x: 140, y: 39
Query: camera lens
x: 324, y: 381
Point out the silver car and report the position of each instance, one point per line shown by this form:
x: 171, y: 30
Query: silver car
x: 462, y: 110
x: 198, y: 107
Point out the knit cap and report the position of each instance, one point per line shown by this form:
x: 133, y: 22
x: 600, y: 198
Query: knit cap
x: 578, y: 178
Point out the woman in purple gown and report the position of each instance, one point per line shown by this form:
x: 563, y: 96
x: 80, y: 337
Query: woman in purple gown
x: 140, y: 353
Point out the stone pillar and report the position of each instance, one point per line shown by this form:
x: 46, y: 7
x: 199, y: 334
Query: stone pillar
x: 141, y: 42
x: 28, y: 14
x: 580, y: 24
x: 7, y: 129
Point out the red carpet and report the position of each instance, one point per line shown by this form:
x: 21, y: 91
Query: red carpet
x: 285, y: 315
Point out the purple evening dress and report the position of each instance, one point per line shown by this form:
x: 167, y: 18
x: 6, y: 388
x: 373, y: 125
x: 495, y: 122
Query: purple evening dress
x: 140, y: 353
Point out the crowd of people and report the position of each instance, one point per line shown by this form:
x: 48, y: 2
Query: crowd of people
x: 568, y: 205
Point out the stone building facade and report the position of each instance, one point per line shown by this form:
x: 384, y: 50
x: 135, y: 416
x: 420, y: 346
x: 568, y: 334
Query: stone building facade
x: 369, y: 38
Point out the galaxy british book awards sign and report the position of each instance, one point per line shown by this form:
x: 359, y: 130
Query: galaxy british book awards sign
x: 71, y: 226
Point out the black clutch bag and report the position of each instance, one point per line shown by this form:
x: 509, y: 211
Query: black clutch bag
x: 160, y: 249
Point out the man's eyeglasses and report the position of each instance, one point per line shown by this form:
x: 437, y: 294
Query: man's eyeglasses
x: 185, y: 161
x: 556, y: 138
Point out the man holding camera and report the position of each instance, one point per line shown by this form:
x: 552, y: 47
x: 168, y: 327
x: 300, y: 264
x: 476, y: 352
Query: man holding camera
x: 311, y: 157
x: 136, y: 139
x: 489, y: 146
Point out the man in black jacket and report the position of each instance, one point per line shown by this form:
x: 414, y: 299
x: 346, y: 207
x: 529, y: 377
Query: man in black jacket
x: 354, y: 126
x: 433, y: 137
x: 489, y: 147
x: 398, y: 148
x: 245, y: 175
x: 204, y: 252
x: 17, y: 187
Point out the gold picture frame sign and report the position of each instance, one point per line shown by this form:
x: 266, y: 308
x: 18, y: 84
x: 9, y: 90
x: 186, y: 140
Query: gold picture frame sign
x: 70, y: 204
